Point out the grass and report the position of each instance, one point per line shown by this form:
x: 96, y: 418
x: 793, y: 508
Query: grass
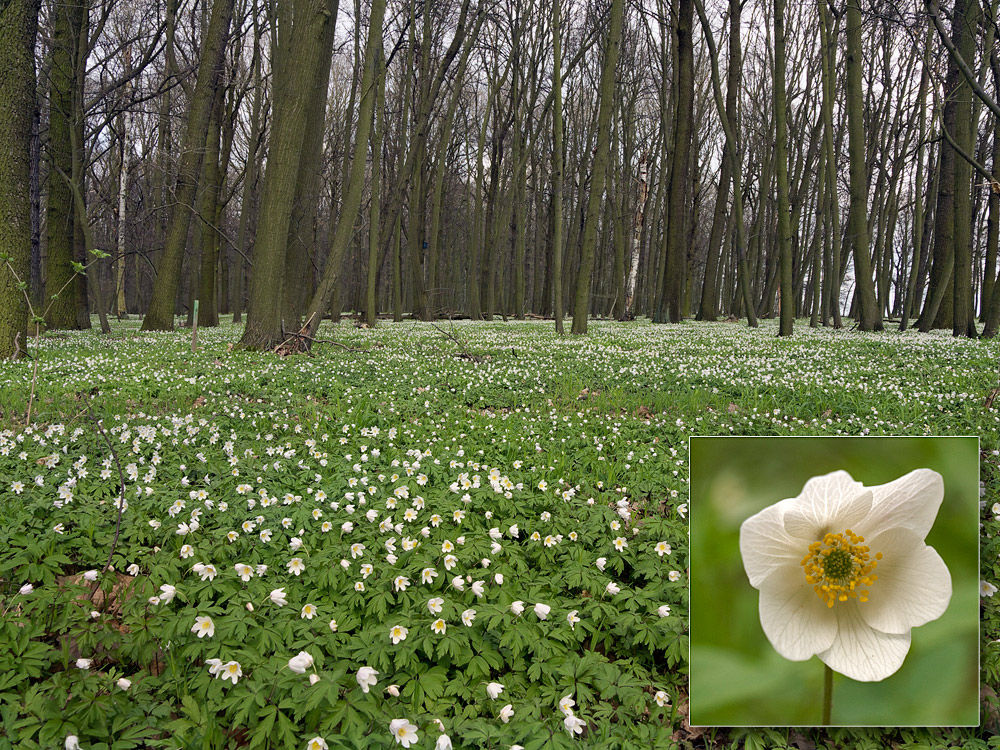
x: 582, y: 441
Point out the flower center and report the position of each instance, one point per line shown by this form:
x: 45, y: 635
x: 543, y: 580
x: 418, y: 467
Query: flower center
x: 839, y: 566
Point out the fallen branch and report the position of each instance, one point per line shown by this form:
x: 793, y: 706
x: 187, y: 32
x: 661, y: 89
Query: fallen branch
x: 296, y: 342
x: 464, y: 353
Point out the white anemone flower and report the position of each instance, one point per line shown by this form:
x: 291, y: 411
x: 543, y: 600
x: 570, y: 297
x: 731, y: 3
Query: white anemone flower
x: 403, y: 732
x: 367, y: 678
x: 494, y: 689
x: 574, y: 724
x: 844, y: 573
x: 203, y: 626
x: 566, y: 704
x: 301, y: 662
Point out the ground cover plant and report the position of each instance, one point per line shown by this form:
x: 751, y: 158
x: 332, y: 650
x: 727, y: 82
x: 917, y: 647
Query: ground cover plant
x: 468, y: 535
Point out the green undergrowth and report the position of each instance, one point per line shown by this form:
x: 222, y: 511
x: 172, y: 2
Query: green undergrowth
x: 515, y: 500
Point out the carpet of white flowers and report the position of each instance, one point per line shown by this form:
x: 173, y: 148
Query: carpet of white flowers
x: 464, y: 535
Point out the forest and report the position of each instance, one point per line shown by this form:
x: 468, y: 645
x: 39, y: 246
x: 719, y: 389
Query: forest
x: 290, y: 162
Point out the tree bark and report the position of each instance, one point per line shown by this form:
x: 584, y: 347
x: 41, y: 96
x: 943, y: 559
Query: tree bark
x: 557, y: 169
x: 869, y: 317
x: 375, y: 145
x: 355, y: 185
x: 18, y: 28
x: 65, y: 120
x: 637, y: 225
x: 965, y: 19
x: 581, y: 302
x: 160, y: 316
x: 300, y: 53
x: 675, y: 245
x: 786, y: 299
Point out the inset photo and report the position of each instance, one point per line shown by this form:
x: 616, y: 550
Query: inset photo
x: 834, y: 581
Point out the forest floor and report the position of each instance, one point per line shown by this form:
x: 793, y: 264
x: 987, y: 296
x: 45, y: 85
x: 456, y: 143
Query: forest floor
x: 458, y: 507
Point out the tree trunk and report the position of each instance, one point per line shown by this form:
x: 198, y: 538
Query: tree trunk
x: 124, y: 159
x: 675, y: 246
x: 910, y: 302
x: 965, y: 20
x: 869, y: 318
x: 829, y: 68
x: 786, y: 298
x: 18, y: 28
x: 355, y: 186
x: 581, y: 302
x: 637, y: 225
x: 248, y: 202
x: 939, y: 305
x: 65, y: 118
x: 557, y: 169
x: 296, y: 287
x: 375, y: 145
x: 160, y: 316
x: 301, y: 52
x: 208, y: 309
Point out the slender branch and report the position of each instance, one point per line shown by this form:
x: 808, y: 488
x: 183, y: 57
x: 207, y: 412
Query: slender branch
x: 970, y: 77
x: 983, y: 171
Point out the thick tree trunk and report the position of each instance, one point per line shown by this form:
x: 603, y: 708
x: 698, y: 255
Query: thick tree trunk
x: 65, y: 112
x: 829, y: 67
x: 18, y: 28
x: 581, y: 302
x: 869, y: 318
x: 208, y: 309
x: 965, y: 19
x: 301, y: 52
x: 301, y: 245
x: 675, y: 247
x: 160, y: 316
x: 786, y: 298
x: 355, y: 185
x: 938, y: 309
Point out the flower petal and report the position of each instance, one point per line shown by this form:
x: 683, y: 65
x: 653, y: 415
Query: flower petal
x: 832, y: 502
x: 765, y: 545
x: 796, y: 621
x: 861, y: 652
x: 913, y: 585
x: 912, y: 501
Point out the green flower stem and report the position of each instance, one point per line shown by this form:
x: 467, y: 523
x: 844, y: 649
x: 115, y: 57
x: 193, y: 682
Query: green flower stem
x: 827, y: 694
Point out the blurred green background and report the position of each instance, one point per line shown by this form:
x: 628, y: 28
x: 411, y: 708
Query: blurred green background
x: 737, y: 678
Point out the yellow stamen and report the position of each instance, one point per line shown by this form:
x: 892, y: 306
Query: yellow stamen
x: 837, y: 565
